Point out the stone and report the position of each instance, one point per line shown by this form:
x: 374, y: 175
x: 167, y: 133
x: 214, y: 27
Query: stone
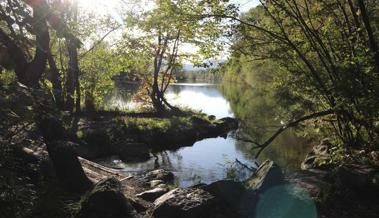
x: 160, y: 174
x: 184, y: 203
x: 361, y: 178
x: 151, y: 195
x: 106, y: 200
x: 233, y: 195
x: 319, y: 157
x: 267, y: 175
x: 155, y: 183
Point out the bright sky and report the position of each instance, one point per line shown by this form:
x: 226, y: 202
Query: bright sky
x: 111, y: 7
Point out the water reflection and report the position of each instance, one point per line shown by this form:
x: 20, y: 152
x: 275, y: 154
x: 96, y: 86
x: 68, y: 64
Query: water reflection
x: 207, y: 160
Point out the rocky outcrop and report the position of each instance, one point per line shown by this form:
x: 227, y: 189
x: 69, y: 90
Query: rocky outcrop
x: 159, y: 174
x: 151, y: 195
x: 233, y: 196
x: 361, y: 178
x: 267, y: 175
x: 106, y: 200
x: 155, y: 183
x: 184, y: 203
x: 319, y: 157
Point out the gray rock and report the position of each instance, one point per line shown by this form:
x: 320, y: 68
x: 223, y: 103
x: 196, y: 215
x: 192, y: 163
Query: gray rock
x: 160, y: 174
x: 361, y: 178
x: 267, y: 175
x: 318, y: 157
x: 233, y: 195
x: 106, y: 200
x: 161, y: 186
x: 188, y: 203
x: 152, y: 194
x: 155, y: 183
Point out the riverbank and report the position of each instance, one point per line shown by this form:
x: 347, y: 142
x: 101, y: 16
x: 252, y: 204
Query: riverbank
x: 134, y: 136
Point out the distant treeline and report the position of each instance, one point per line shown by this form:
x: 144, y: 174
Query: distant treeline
x: 207, y: 75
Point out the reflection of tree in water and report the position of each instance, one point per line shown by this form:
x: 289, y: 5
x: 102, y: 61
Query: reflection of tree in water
x: 258, y: 113
x: 121, y: 95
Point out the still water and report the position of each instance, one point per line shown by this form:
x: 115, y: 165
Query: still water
x: 212, y: 159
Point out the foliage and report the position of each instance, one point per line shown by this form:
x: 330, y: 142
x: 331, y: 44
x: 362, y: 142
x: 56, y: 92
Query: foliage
x: 163, y: 30
x: 315, y: 56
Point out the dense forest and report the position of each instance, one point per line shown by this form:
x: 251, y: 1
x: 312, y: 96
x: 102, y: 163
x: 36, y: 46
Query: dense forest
x: 309, y: 66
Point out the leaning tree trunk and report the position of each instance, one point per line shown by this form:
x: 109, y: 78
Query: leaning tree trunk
x: 29, y: 73
x: 63, y: 156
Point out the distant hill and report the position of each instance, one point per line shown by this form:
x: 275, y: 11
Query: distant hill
x: 213, y: 64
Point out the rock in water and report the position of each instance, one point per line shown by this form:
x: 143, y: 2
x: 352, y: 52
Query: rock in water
x: 184, y: 203
x: 151, y: 195
x: 267, y: 175
x: 228, y: 191
x: 106, y: 200
x: 233, y: 196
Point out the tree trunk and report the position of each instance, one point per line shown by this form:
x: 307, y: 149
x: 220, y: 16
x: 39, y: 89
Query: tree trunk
x: 30, y: 73
x: 72, y: 75
x: 63, y: 156
x: 56, y: 81
x: 371, y: 38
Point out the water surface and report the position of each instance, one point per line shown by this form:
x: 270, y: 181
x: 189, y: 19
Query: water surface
x: 212, y: 159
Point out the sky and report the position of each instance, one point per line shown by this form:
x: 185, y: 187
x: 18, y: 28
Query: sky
x: 103, y: 7
x: 245, y: 5
x: 110, y: 6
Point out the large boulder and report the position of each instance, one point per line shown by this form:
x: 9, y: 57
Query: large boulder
x: 151, y: 195
x: 228, y: 191
x: 361, y: 178
x: 67, y: 166
x: 160, y: 174
x: 106, y: 200
x: 267, y: 175
x: 233, y: 196
x: 184, y: 203
x: 319, y: 157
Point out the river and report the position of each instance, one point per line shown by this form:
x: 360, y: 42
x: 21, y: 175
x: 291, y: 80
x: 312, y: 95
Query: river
x: 213, y: 159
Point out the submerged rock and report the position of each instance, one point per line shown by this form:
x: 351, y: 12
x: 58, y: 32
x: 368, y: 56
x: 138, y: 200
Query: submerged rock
x: 184, y: 203
x: 106, y: 200
x: 151, y: 195
x: 267, y: 175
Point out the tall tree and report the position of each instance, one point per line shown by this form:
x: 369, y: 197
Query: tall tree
x: 28, y: 69
x: 167, y: 27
